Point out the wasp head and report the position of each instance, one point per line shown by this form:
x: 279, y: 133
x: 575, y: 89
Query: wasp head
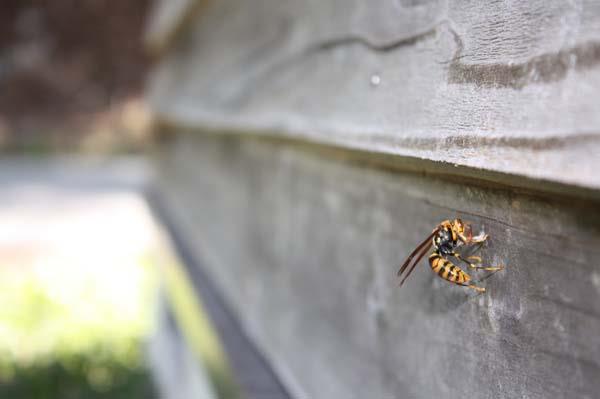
x: 463, y: 229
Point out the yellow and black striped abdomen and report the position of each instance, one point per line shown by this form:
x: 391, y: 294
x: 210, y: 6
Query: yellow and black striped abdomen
x: 447, y: 270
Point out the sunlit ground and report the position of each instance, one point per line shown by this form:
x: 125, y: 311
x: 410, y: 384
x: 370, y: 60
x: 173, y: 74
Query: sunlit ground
x: 77, y: 292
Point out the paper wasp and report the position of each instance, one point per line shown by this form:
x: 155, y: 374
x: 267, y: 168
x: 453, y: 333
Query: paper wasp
x: 445, y: 238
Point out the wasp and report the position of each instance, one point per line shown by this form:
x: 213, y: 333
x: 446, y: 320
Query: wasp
x: 445, y: 239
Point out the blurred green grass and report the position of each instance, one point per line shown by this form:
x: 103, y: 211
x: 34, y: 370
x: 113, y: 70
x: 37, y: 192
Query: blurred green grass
x: 75, y: 331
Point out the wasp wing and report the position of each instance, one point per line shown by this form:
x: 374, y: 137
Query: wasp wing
x: 417, y: 250
x: 416, y: 262
x: 417, y: 254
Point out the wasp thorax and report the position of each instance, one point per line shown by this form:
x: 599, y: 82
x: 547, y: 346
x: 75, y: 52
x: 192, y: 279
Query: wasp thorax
x: 444, y: 241
x: 444, y: 236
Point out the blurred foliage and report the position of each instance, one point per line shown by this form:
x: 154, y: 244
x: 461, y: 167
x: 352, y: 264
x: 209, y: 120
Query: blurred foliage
x: 70, y: 331
x: 82, y: 375
x: 71, y: 75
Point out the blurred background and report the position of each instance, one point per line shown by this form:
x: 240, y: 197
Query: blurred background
x: 71, y: 75
x: 78, y: 245
x: 77, y: 281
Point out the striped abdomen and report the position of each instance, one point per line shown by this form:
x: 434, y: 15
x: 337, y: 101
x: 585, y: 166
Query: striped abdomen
x: 447, y: 270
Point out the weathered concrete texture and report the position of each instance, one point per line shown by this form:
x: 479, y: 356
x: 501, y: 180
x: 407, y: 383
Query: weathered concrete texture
x: 305, y: 249
x: 503, y: 86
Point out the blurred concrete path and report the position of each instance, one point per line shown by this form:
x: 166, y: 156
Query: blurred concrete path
x: 79, y: 173
x: 84, y: 225
x: 67, y: 207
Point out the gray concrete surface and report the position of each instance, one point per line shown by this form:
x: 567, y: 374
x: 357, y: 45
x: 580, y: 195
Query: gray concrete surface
x: 394, y: 116
x: 305, y: 248
x: 501, y: 86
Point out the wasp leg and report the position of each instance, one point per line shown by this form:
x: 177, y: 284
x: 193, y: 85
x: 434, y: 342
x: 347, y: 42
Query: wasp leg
x: 450, y: 272
x: 473, y: 286
x: 477, y: 266
x: 476, y: 246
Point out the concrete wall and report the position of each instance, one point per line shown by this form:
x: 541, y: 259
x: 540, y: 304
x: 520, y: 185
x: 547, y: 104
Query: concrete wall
x: 305, y: 248
x: 502, y: 86
x: 316, y: 143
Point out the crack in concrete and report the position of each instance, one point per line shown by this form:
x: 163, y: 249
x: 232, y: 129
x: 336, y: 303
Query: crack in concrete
x: 544, y: 68
x: 377, y: 47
